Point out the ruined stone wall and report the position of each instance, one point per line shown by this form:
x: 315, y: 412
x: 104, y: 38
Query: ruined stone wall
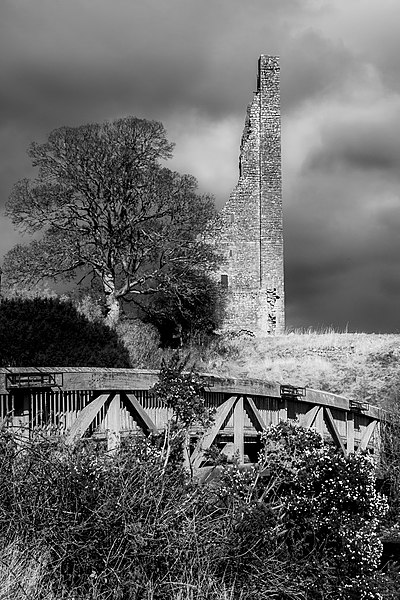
x: 248, y: 231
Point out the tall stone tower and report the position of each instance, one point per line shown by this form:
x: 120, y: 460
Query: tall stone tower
x: 248, y: 231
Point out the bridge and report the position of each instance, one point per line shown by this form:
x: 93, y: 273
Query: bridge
x: 108, y: 404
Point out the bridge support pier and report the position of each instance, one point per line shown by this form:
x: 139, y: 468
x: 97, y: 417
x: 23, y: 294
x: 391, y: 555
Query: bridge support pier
x: 114, y: 424
x: 350, y: 433
x: 238, y: 431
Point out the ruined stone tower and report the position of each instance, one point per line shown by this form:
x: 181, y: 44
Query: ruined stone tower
x: 248, y: 231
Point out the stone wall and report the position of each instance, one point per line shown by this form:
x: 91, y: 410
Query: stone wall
x: 248, y: 231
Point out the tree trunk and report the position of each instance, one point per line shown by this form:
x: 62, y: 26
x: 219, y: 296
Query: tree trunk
x: 113, y: 307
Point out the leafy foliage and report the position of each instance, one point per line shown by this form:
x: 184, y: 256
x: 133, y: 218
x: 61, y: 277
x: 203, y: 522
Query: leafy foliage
x: 331, y: 505
x: 181, y: 391
x: 390, y: 463
x: 50, y: 332
x: 192, y: 313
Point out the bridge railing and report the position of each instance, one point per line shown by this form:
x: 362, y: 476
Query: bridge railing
x: 77, y: 401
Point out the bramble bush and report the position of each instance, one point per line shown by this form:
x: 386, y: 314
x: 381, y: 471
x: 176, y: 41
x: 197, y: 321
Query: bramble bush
x: 180, y: 390
x: 302, y: 524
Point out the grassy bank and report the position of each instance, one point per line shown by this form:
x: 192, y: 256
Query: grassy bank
x: 358, y: 365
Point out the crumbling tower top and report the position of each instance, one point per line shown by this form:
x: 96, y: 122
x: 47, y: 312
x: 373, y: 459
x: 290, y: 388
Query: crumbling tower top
x: 249, y: 232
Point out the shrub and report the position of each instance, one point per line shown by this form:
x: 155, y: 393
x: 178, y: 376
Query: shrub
x: 190, y: 315
x: 332, y: 510
x: 180, y: 391
x: 112, y: 527
x: 142, y: 341
x: 51, y: 332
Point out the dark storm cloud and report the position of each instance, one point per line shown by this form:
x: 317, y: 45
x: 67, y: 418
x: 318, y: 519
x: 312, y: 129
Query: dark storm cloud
x: 192, y: 65
x: 342, y: 186
x: 360, y: 143
x: 154, y: 56
x: 67, y: 63
x: 343, y: 249
x: 313, y: 66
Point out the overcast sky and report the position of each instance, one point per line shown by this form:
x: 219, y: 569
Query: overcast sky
x: 192, y: 65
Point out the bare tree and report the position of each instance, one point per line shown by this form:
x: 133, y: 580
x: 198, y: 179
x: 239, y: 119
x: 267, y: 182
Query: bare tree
x: 104, y: 205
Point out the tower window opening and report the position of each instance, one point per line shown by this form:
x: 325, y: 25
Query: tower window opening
x: 224, y: 281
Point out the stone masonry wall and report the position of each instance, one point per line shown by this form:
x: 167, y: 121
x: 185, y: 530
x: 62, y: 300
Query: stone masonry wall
x: 248, y: 231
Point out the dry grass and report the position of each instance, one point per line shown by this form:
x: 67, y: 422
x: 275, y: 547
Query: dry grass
x: 21, y: 574
x: 142, y: 342
x: 357, y: 365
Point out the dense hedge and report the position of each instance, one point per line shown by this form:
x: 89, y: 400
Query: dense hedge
x: 50, y: 332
